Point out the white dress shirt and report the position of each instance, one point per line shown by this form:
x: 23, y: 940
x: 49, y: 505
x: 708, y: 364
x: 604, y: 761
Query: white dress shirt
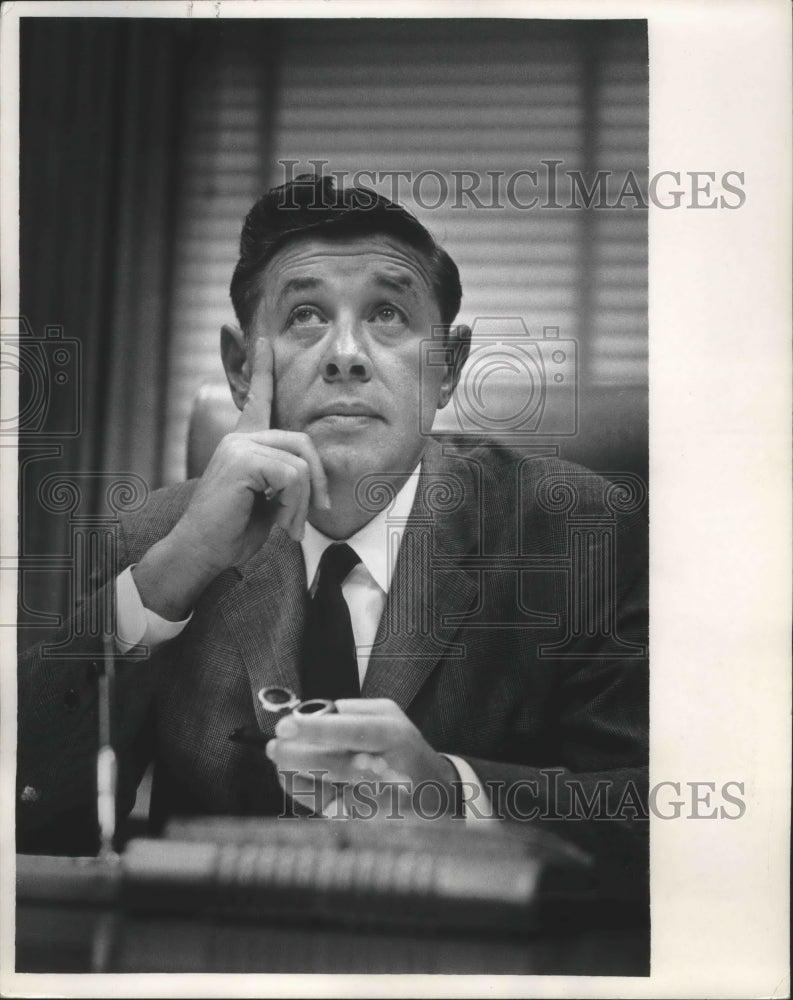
x: 366, y: 586
x: 365, y: 590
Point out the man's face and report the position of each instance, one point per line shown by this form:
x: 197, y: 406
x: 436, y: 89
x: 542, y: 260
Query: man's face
x: 346, y: 321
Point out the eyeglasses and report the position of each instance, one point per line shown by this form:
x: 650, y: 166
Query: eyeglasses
x: 281, y: 699
x: 278, y: 699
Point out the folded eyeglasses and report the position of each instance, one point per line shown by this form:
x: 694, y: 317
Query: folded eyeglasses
x: 281, y: 699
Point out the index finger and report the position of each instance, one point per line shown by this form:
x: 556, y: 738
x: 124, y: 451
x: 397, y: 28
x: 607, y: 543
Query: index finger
x: 368, y: 706
x: 258, y: 406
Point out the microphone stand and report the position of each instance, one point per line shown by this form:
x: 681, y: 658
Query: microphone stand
x: 106, y: 765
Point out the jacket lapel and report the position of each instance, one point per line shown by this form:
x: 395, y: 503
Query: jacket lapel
x: 265, y: 612
x: 429, y: 590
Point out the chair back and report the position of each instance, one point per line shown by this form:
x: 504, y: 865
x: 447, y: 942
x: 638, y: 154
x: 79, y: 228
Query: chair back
x: 612, y: 434
x: 213, y: 416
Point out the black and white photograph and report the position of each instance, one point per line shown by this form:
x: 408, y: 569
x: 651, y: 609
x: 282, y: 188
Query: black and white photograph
x: 383, y: 601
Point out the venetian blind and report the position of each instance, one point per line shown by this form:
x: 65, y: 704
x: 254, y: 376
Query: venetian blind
x: 461, y: 108
x: 224, y: 149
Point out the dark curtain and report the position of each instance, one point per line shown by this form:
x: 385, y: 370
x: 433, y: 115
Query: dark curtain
x: 100, y: 104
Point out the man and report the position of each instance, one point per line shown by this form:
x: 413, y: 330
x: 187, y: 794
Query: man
x: 465, y: 661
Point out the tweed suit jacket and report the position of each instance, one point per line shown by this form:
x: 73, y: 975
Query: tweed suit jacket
x: 514, y: 635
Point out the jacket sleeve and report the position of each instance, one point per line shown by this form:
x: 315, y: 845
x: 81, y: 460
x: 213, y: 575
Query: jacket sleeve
x: 591, y: 783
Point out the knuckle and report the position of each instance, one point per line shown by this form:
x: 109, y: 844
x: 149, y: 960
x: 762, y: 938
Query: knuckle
x: 223, y: 447
x: 234, y: 446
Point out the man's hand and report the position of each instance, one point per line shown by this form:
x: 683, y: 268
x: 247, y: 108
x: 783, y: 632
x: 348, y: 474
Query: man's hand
x: 256, y: 478
x: 369, y: 740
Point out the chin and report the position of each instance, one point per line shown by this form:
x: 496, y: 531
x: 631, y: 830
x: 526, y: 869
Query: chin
x: 344, y: 461
x: 347, y: 463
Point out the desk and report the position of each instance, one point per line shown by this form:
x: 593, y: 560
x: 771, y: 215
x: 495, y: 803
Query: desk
x: 71, y: 939
x: 163, y: 906
x: 82, y: 939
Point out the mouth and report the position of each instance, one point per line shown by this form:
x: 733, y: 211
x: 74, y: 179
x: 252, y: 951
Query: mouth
x: 346, y: 410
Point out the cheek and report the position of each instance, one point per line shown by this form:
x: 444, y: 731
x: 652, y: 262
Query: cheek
x: 413, y: 381
x: 296, y: 362
x: 291, y: 379
x: 431, y: 378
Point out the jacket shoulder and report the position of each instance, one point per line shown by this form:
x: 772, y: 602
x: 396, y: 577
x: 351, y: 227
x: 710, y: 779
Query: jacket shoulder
x: 543, y: 485
x: 500, y: 464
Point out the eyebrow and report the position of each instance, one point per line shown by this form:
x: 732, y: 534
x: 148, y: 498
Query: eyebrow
x: 397, y: 283
x: 298, y: 285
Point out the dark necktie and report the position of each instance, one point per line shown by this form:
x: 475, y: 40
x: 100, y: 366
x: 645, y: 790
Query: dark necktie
x: 330, y: 668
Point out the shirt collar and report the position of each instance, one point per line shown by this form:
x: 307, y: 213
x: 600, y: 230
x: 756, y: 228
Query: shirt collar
x: 371, y: 542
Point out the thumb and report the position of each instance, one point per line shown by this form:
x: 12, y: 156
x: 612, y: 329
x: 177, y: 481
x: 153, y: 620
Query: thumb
x: 258, y: 406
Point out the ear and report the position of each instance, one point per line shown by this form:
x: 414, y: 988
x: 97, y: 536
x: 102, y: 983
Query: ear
x: 234, y: 352
x: 458, y: 340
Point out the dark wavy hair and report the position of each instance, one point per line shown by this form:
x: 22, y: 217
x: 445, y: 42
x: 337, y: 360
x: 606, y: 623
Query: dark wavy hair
x: 311, y: 205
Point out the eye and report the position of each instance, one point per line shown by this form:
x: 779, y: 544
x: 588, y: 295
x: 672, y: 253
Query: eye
x: 389, y: 315
x: 305, y: 316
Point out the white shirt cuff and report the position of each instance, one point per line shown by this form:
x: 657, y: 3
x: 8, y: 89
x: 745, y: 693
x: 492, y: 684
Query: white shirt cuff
x: 137, y: 625
x: 476, y: 805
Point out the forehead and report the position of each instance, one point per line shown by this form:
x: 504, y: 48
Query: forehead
x: 349, y: 262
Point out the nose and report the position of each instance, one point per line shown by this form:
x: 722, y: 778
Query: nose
x: 346, y: 358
